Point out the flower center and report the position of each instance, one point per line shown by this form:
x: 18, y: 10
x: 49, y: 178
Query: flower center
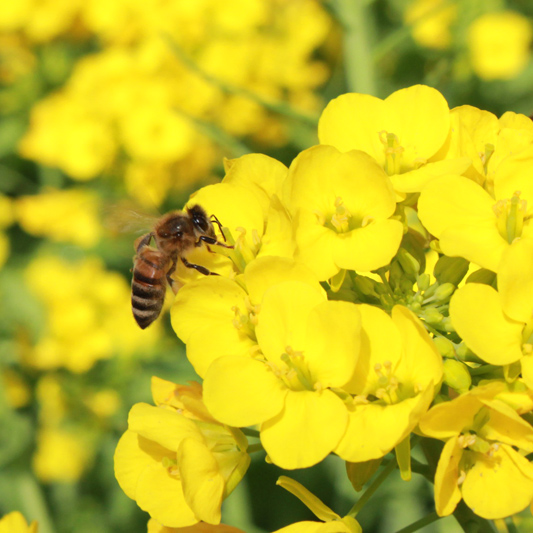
x: 393, y: 152
x: 245, y: 321
x: 387, y: 384
x: 341, y: 217
x: 296, y: 374
x: 510, y: 214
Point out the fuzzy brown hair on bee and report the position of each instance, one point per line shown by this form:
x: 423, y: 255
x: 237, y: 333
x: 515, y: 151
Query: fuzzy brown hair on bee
x: 174, y: 234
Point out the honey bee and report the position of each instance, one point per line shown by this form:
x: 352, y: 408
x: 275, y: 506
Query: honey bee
x: 174, y: 234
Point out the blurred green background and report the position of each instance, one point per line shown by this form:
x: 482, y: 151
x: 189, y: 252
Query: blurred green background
x: 110, y: 108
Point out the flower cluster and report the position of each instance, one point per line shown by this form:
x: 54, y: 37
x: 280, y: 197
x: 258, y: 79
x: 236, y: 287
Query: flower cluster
x: 165, y: 81
x: 378, y: 294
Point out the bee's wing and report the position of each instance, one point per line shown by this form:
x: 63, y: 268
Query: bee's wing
x: 125, y: 218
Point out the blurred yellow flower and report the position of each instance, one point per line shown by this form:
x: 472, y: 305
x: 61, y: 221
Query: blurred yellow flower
x: 88, y: 315
x: 499, y: 45
x: 431, y: 21
x: 16, y: 389
x: 15, y: 523
x: 61, y: 455
x: 65, y: 133
x: 61, y: 215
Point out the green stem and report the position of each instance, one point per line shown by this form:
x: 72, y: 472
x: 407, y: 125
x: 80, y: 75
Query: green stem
x: 419, y: 524
x: 218, y: 135
x: 511, y: 528
x: 275, y: 106
x: 254, y: 448
x: 357, y: 24
x: 33, y: 504
x: 373, y: 487
x: 250, y: 432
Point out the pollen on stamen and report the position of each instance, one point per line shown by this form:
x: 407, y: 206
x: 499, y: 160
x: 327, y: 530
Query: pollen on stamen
x: 461, y: 478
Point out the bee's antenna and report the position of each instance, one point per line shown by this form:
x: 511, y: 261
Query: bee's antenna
x: 217, y: 222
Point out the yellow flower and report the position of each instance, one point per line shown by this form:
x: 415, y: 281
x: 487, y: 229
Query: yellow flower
x: 499, y: 44
x: 176, y: 465
x: 88, y: 315
x: 431, y: 20
x: 394, y: 382
x: 61, y: 215
x: 66, y: 135
x: 290, y: 388
x: 479, y: 462
x: 60, y: 456
x: 331, y: 521
x: 402, y: 133
x: 215, y: 316
x: 15, y: 523
x: 497, y: 325
x: 16, y: 389
x: 341, y: 204
x: 471, y: 223
x: 487, y: 141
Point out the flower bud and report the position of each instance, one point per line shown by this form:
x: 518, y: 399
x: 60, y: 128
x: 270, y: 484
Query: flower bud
x: 409, y: 264
x: 445, y: 347
x: 432, y: 316
x: 456, y: 375
x: 444, y: 292
x: 423, y: 281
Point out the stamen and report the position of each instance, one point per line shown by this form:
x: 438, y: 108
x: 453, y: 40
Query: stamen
x: 341, y: 217
x: 393, y: 152
x: 510, y: 215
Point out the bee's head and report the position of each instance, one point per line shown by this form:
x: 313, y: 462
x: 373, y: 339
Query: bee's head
x: 200, y: 220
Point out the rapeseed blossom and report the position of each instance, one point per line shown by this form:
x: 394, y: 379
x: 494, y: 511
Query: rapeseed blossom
x: 87, y: 318
x: 377, y: 296
x: 176, y: 461
x: 157, y: 75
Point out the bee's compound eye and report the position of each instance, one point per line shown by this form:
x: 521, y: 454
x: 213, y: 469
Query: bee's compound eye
x: 201, y: 222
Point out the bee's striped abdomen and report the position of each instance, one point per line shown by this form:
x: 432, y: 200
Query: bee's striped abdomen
x: 148, y: 286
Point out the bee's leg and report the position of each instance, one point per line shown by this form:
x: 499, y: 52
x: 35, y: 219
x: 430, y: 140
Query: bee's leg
x: 142, y: 241
x: 172, y: 282
x: 200, y: 268
x: 217, y: 222
x: 211, y: 240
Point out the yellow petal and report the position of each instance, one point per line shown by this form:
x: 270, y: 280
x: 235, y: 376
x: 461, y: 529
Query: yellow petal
x: 460, y: 213
x: 282, y: 321
x: 166, y: 427
x: 161, y: 495
x: 333, y: 327
x: 478, y: 318
x: 132, y: 455
x: 447, y: 493
x: 313, y: 503
x: 380, y: 342
x: 370, y: 247
x: 500, y: 485
x: 203, y: 485
x: 240, y: 391
x: 448, y: 419
x: 421, y: 363
x: 352, y: 122
x: 507, y: 426
x: 261, y: 174
x: 264, y: 272
x: 295, y: 438
x: 203, y: 317
x: 374, y: 430
x: 515, y: 283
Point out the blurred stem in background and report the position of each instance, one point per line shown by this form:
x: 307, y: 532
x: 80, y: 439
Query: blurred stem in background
x: 358, y: 29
